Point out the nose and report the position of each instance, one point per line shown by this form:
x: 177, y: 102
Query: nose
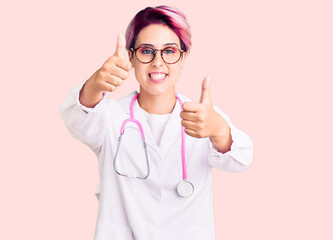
x: 158, y: 61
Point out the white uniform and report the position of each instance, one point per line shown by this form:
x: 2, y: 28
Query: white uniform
x: 151, y: 209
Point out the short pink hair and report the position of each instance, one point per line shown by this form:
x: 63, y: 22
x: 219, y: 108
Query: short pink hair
x: 165, y: 15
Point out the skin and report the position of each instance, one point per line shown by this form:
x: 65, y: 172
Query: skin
x: 157, y: 98
x: 198, y: 118
x: 201, y: 120
x: 106, y: 79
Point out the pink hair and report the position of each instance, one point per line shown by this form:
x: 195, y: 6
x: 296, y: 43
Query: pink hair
x: 168, y: 16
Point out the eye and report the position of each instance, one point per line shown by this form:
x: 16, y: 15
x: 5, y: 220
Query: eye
x: 170, y: 50
x: 146, y: 50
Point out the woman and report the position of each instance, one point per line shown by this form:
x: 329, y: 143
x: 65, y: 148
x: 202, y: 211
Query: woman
x: 160, y: 189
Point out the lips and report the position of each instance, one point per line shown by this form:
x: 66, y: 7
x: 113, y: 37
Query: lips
x: 157, y: 77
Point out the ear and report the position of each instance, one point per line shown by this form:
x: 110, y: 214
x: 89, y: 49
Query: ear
x: 183, y: 59
x: 130, y: 56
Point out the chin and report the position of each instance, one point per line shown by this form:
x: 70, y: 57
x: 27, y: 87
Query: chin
x: 156, y: 90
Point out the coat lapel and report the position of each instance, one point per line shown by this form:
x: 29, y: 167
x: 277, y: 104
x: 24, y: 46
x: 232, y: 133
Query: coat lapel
x: 172, y: 130
x: 139, y: 116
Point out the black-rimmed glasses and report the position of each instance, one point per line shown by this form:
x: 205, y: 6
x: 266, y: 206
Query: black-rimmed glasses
x: 169, y: 54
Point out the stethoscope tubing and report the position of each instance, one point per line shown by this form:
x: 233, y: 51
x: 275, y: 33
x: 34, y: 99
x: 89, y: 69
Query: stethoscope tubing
x: 132, y: 119
x: 183, y: 143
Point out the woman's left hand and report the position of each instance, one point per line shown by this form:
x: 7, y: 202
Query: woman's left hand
x: 200, y: 120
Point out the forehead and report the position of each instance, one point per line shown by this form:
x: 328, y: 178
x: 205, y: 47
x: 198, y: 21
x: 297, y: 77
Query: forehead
x: 157, y: 35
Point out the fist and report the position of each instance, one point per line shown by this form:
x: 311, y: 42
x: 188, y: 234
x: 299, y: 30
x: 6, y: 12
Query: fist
x: 114, y: 71
x: 200, y: 120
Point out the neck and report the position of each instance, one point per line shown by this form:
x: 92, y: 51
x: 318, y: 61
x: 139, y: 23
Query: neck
x: 157, y: 104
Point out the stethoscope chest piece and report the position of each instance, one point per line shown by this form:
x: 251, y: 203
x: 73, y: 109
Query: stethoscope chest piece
x: 185, y: 189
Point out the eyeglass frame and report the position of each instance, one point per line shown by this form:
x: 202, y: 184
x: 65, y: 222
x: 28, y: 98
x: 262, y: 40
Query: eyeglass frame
x: 155, y: 51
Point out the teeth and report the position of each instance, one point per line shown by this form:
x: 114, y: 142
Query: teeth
x: 157, y: 76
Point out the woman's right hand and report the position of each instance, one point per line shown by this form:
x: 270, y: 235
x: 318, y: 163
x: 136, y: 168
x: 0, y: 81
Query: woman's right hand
x: 111, y: 75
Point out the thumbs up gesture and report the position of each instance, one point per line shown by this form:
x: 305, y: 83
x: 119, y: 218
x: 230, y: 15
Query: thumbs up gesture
x: 110, y: 76
x: 200, y: 120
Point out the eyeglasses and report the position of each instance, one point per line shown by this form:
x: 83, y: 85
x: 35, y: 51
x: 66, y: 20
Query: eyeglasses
x: 169, y: 54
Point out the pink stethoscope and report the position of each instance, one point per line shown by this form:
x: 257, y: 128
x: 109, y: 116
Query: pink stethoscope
x: 184, y: 188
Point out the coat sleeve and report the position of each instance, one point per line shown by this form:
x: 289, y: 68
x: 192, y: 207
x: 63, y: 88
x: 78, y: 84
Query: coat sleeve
x: 240, y: 155
x: 85, y: 124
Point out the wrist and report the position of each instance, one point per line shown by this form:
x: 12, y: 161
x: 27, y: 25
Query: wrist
x: 222, y: 128
x: 221, y: 138
x: 89, y: 95
x: 224, y: 133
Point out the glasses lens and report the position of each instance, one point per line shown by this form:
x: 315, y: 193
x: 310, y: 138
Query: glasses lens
x: 171, y: 54
x: 145, y: 54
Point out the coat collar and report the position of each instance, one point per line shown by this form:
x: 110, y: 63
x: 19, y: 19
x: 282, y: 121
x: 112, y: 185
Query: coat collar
x: 172, y: 131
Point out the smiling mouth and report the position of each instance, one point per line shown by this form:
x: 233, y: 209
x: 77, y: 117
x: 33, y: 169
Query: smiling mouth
x: 157, y: 77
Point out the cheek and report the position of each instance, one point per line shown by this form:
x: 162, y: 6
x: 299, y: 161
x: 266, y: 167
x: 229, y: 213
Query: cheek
x: 140, y: 72
x: 176, y: 71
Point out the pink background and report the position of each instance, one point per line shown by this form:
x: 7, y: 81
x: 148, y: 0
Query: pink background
x: 271, y: 68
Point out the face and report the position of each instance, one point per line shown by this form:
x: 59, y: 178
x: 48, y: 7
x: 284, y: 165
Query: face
x: 157, y: 77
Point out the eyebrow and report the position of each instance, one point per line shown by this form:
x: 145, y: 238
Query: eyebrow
x: 151, y: 45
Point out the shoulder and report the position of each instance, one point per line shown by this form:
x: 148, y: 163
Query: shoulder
x: 126, y: 100
x: 121, y: 104
x: 183, y: 98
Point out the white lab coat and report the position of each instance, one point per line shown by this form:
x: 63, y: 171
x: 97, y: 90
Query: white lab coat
x: 150, y: 209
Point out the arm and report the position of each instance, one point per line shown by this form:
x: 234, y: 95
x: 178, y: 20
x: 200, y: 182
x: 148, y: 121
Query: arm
x: 84, y: 123
x: 240, y: 154
x: 221, y: 138
x: 230, y: 148
x: 84, y: 111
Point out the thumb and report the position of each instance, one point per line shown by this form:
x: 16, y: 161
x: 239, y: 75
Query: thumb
x: 121, y: 44
x: 205, y: 88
